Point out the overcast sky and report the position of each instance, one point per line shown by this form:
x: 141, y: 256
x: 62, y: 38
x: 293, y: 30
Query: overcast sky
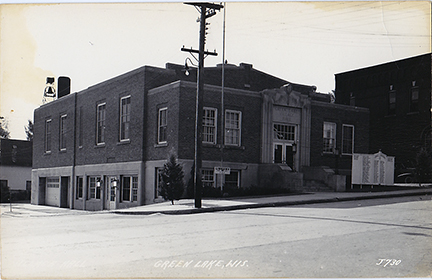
x: 302, y: 42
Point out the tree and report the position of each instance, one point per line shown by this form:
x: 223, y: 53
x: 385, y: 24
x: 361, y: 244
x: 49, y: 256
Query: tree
x: 29, y: 130
x: 172, y: 184
x: 4, y: 133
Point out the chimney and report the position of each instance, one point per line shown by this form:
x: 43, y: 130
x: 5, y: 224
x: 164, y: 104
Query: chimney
x: 63, y: 86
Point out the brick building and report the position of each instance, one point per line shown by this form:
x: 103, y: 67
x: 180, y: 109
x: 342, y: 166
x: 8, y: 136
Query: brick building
x: 398, y: 95
x: 103, y: 147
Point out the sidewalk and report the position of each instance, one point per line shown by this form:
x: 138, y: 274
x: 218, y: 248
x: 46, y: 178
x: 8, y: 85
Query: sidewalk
x: 186, y: 206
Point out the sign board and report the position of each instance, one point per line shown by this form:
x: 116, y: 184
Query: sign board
x: 376, y: 169
x: 222, y: 170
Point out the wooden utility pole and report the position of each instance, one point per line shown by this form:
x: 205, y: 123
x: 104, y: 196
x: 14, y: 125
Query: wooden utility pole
x: 206, y: 10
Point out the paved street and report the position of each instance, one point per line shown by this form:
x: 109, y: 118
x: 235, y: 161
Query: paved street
x: 366, y: 238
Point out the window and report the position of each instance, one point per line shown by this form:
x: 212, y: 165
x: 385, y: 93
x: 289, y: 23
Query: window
x: 100, y: 124
x: 209, y: 126
x: 232, y: 128
x: 79, y: 187
x: 392, y: 101
x: 158, y: 180
x: 125, y: 108
x: 233, y: 179
x: 347, y: 139
x: 28, y: 186
x: 414, y: 98
x: 48, y: 136
x: 63, y: 132
x: 129, y: 188
x: 284, y: 132
x: 207, y: 178
x: 94, y: 187
x: 162, y: 125
x: 329, y: 137
x: 53, y: 182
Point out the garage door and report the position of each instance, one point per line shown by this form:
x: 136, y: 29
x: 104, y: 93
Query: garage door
x: 52, y: 194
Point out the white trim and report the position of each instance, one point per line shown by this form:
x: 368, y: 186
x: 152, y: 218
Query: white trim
x: 239, y: 128
x: 97, y: 124
x: 159, y: 124
x: 215, y: 124
x: 120, y: 118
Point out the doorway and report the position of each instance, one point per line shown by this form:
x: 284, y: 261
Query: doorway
x: 111, y: 192
x: 283, y: 153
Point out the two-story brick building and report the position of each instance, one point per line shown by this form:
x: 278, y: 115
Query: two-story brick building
x: 103, y: 147
x: 398, y: 95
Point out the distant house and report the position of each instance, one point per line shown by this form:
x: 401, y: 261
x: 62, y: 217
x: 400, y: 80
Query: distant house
x: 15, y: 164
x: 104, y: 147
x: 398, y: 95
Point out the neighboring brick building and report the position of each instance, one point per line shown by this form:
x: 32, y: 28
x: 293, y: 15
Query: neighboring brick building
x: 398, y: 95
x: 15, y: 165
x: 103, y: 147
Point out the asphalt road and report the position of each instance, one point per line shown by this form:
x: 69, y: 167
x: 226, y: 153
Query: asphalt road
x: 355, y: 239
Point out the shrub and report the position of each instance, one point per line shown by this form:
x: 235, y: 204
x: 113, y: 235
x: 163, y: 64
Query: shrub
x: 172, y: 184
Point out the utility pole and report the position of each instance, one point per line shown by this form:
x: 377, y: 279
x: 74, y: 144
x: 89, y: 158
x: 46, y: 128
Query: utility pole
x: 206, y: 10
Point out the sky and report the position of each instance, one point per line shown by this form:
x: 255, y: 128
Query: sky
x: 301, y: 42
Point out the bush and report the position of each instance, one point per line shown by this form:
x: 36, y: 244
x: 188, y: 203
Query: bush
x: 5, y: 194
x: 172, y: 184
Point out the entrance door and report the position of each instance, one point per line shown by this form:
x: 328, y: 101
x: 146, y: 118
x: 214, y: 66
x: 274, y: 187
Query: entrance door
x: 283, y: 153
x: 111, y: 191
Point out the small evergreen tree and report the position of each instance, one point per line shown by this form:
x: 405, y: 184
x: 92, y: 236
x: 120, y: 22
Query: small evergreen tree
x: 172, y: 184
x: 4, y: 132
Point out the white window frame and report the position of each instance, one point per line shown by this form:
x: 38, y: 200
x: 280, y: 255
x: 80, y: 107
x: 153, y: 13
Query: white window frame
x: 343, y: 139
x: 162, y: 126
x: 125, y: 117
x: 228, y: 127
x: 62, y: 132
x: 48, y: 143
x: 238, y: 177
x: 94, y: 185
x: 209, y: 130
x: 329, y: 148
x: 286, y: 132
x: 208, y: 177
x: 100, y: 124
x: 133, y: 188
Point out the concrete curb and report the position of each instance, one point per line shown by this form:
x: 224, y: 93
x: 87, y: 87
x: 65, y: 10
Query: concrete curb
x: 275, y: 204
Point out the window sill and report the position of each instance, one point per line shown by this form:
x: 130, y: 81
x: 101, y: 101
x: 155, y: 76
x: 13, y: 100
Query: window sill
x: 229, y: 147
x: 124, y: 142
x: 62, y: 151
x: 102, y: 145
x: 413, y: 113
x: 161, y: 145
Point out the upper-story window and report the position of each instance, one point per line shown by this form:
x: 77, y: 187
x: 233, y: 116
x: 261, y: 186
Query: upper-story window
x: 232, y: 128
x: 392, y: 101
x: 347, y: 139
x: 81, y: 129
x: 209, y: 125
x: 100, y: 123
x: 48, y: 136
x: 125, y: 114
x: 414, y: 97
x: 329, y: 137
x: 162, y: 125
x: 62, y: 133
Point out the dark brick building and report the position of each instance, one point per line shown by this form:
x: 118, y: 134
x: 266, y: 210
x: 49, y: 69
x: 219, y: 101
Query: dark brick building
x: 398, y: 95
x: 103, y: 147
